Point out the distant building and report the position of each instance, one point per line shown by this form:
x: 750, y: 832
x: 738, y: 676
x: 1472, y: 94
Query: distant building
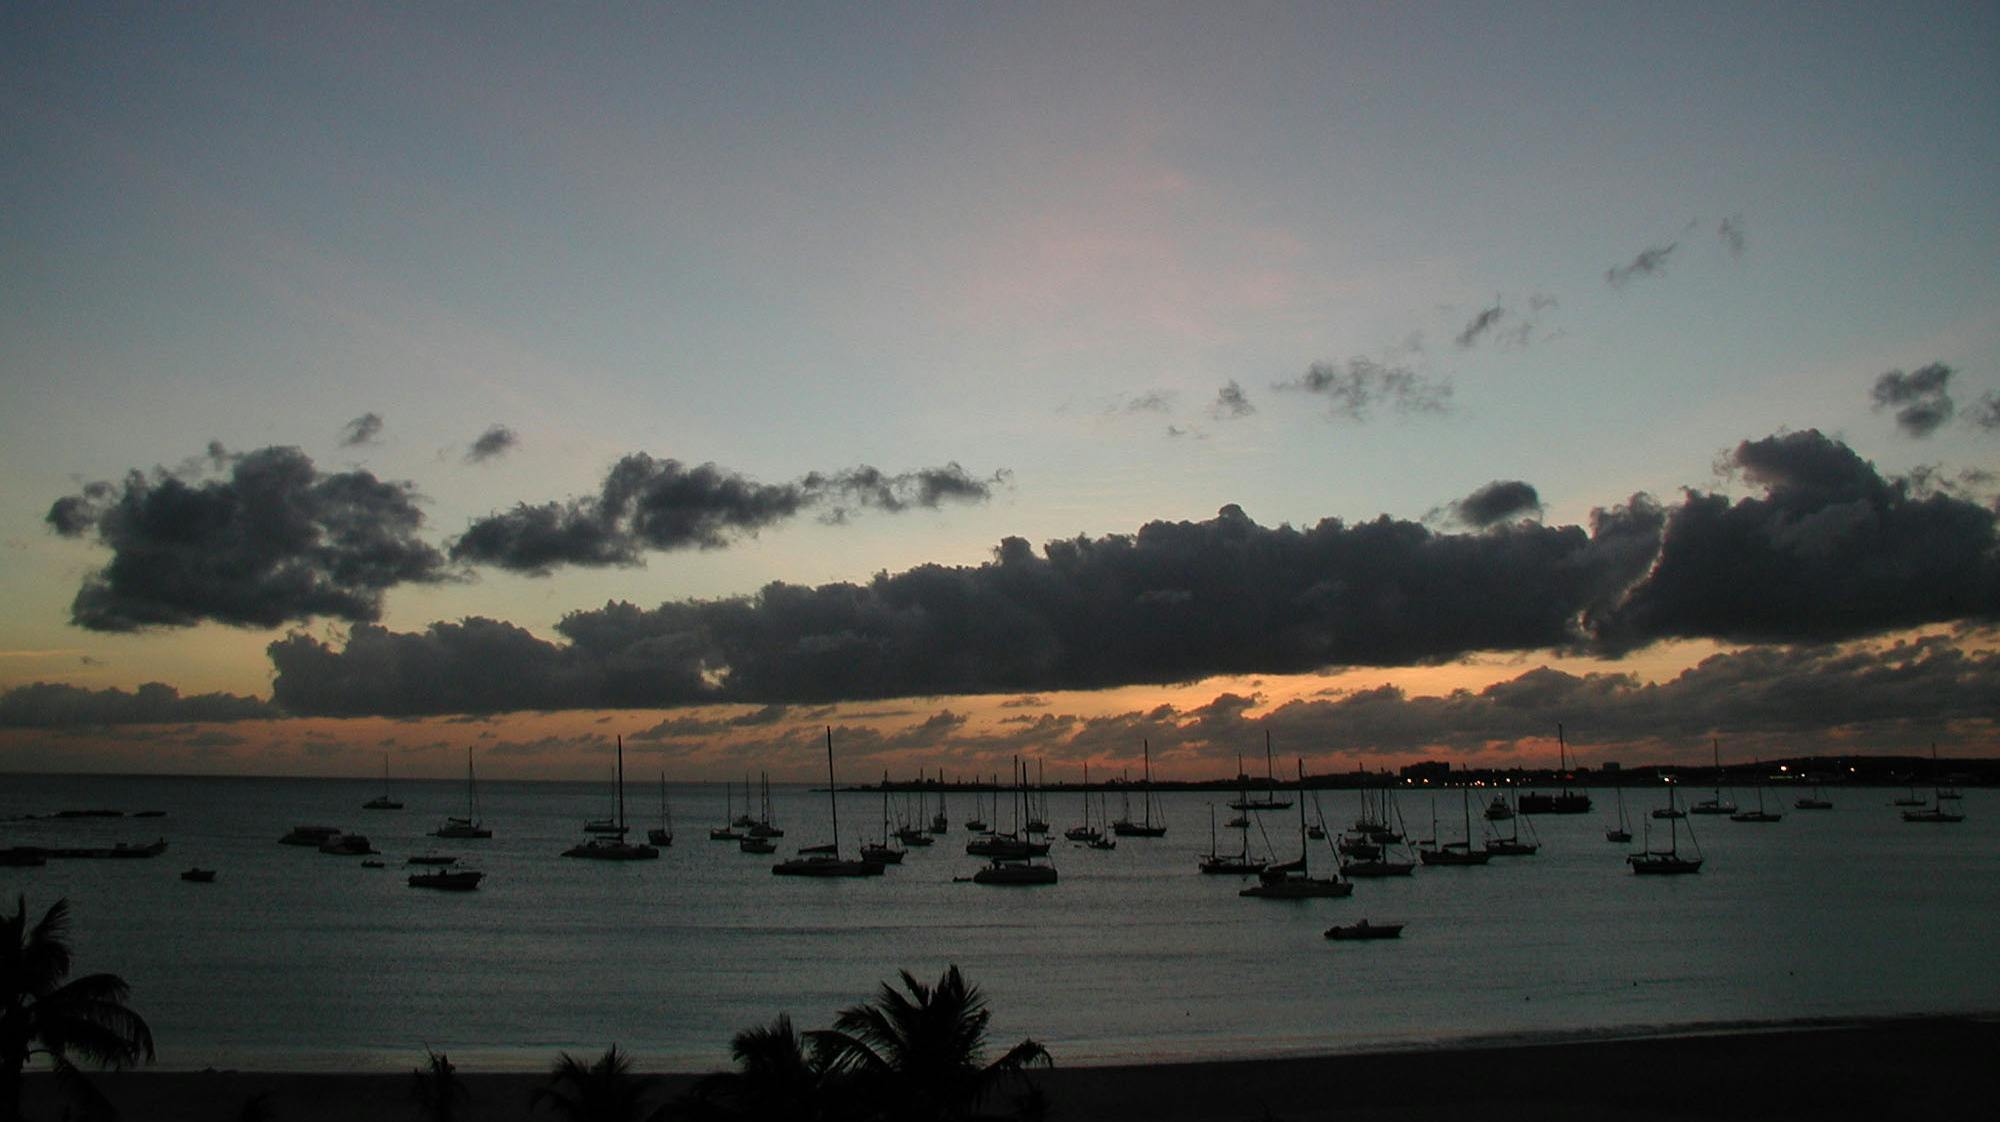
x: 1429, y: 771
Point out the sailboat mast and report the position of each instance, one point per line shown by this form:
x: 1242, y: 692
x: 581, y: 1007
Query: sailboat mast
x: 1146, y: 747
x: 1304, y: 862
x: 831, y: 798
x: 621, y: 784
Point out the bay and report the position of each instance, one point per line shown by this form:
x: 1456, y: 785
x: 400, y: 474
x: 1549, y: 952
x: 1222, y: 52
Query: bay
x: 294, y: 960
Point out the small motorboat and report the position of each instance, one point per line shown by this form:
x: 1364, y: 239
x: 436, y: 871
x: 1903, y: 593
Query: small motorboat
x: 451, y: 880
x: 199, y: 876
x: 1365, y: 930
x: 371, y: 863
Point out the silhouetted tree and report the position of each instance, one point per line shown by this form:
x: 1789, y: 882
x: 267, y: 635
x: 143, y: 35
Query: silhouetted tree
x: 605, y: 1091
x: 916, y: 1056
x: 437, y: 1089
x: 779, y: 1076
x: 41, y: 1015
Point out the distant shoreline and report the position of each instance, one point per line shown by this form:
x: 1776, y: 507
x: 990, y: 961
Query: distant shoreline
x: 1893, y: 1067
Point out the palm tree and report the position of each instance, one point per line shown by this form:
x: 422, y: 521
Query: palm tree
x: 605, y: 1091
x: 918, y: 1055
x: 780, y: 1075
x: 41, y: 1015
x: 438, y: 1090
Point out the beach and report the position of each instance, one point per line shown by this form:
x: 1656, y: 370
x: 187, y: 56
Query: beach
x: 1907, y: 1067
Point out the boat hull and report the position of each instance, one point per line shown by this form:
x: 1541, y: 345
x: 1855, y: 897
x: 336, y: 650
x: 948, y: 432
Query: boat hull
x: 1297, y: 888
x: 1365, y: 930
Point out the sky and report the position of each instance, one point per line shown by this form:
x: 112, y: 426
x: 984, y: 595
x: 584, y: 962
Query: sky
x: 1400, y: 381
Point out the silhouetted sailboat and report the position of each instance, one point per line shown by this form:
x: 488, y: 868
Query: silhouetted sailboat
x: 1237, y: 863
x: 1714, y: 804
x: 1085, y: 832
x: 1125, y: 827
x: 1512, y: 845
x: 1270, y: 799
x: 1758, y: 815
x: 825, y: 860
x: 1458, y: 853
x: 1622, y: 832
x: 728, y: 831
x: 882, y: 851
x: 1936, y: 812
x: 383, y: 801
x: 1293, y: 880
x: 1668, y: 861
x: 613, y: 846
x: 470, y: 826
x: 1022, y: 870
x: 1569, y: 802
x: 663, y: 834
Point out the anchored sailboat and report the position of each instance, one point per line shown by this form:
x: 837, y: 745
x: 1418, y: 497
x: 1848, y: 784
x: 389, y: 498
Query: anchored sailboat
x: 1021, y: 870
x: 1293, y: 880
x: 1937, y: 812
x: 1125, y: 827
x: 470, y: 826
x: 1569, y: 802
x: 1270, y: 799
x: 825, y: 860
x: 1668, y: 861
x: 1458, y: 852
x: 383, y: 801
x: 663, y: 834
x: 613, y: 846
x: 1714, y: 804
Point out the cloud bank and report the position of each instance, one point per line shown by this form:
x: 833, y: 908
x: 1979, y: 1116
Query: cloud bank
x: 53, y: 705
x: 1831, y: 550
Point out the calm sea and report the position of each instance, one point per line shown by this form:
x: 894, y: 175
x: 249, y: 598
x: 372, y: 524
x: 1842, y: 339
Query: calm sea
x: 294, y: 960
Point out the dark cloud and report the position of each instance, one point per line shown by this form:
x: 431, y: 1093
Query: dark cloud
x: 53, y: 705
x: 1986, y: 414
x: 1830, y: 551
x: 1355, y: 388
x: 1651, y: 262
x: 1176, y: 601
x: 1480, y: 325
x: 472, y: 666
x: 274, y: 541
x: 646, y: 504
x: 1833, y: 550
x: 1231, y: 402
x: 1730, y: 230
x: 1921, y: 398
x: 495, y: 441
x: 1502, y: 500
x: 361, y: 430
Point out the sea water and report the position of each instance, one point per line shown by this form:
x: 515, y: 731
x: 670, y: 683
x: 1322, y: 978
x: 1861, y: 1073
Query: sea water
x: 295, y: 960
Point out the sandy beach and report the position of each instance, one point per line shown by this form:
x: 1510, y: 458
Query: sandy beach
x: 1920, y: 1067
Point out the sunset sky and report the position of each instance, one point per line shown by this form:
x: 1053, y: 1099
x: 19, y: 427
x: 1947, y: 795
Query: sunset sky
x: 983, y: 379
